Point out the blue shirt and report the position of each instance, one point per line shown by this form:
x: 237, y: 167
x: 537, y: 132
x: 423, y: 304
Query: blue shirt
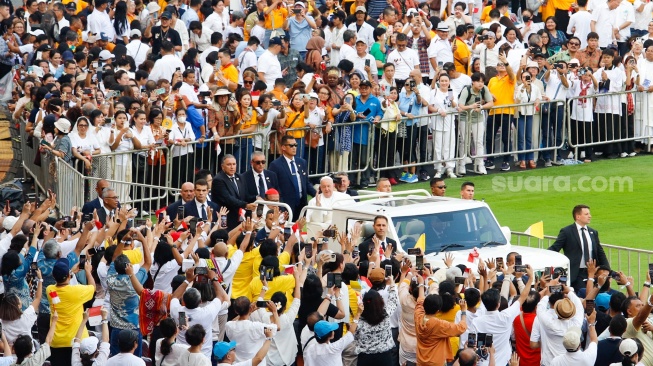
x: 299, y: 33
x: 16, y: 283
x: 361, y: 131
x: 409, y: 104
x: 46, y: 265
x: 124, y: 299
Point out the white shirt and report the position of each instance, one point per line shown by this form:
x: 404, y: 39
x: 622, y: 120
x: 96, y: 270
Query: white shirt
x: 164, y: 278
x: 488, y: 56
x: 263, y: 129
x: 605, y: 23
x: 327, y: 354
x: 534, y: 28
x: 589, y: 241
x: 270, y: 66
x: 644, y: 17
x: 365, y: 33
x: 201, y: 315
x: 524, y: 96
x: 22, y: 325
x: 290, y: 166
x: 125, y: 359
x: 99, y: 22
x: 171, y: 358
x: 552, y: 84
x: 326, y: 217
x: 250, y: 335
x: 181, y: 133
x: 204, y: 54
x: 194, y: 359
x: 283, y: 348
x: 440, y: 49
x: 404, y: 62
x: 498, y: 323
x: 625, y: 13
x: 138, y: 51
x: 347, y: 52
x: 459, y: 83
x: 549, y: 330
x: 246, y: 59
x: 610, y: 103
x: 336, y: 40
x: 188, y: 90
x: 578, y: 358
x: 145, y: 137
x: 581, y: 22
x: 582, y: 109
x: 217, y: 22
x: 203, y: 41
x: 165, y: 67
x: 228, y: 273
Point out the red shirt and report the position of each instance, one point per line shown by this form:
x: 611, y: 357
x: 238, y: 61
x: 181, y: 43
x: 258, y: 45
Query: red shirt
x: 527, y: 355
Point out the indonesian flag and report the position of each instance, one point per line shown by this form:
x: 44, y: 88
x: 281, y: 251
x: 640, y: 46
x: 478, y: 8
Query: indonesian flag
x: 95, y: 316
x: 54, y: 297
x: 296, y: 230
x: 473, y: 256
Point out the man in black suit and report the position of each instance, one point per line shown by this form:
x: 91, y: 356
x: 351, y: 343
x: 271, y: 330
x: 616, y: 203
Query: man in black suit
x: 580, y: 244
x: 293, y: 176
x: 380, y: 231
x: 199, y: 207
x: 97, y: 203
x: 258, y: 179
x: 187, y: 194
x: 230, y: 191
x: 110, y: 205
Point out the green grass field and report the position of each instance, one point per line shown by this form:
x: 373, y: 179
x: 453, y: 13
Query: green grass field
x: 616, y: 190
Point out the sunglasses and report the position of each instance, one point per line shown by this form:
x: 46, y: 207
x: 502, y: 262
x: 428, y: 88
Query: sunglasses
x: 291, y: 145
x: 501, y: 64
x: 247, y: 82
x: 441, y: 187
x: 574, y: 44
x: 80, y: 125
x: 260, y: 162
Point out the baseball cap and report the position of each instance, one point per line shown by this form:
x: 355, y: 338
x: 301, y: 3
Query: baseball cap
x: 366, y: 83
x: 40, y: 1
x: 602, y: 301
x: 532, y: 64
x: 61, y: 269
x: 36, y: 32
x: 313, y: 95
x: 449, y: 66
x: 628, y: 347
x: 275, y: 40
x: 299, y: 3
x: 376, y: 275
x: 71, y: 6
x: 105, y: 55
x: 491, y: 34
x: 9, y: 222
x: 323, y: 328
x: 565, y: 308
x: 571, y: 339
x: 221, y: 349
x: 88, y: 345
x: 166, y: 15
x: 360, y: 8
x: 574, y: 61
x: 104, y: 37
x: 135, y: 32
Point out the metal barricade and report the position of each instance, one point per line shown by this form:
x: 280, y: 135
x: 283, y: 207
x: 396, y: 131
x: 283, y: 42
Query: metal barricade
x: 36, y: 167
x: 68, y: 186
x: 608, y: 123
x: 533, y: 130
x: 632, y: 262
x: 407, y: 147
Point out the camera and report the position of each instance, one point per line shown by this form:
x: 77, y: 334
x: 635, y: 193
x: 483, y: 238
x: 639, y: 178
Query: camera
x: 87, y: 217
x: 528, y: 78
x: 276, y: 103
x: 582, y: 71
x: 558, y: 65
x: 482, y: 38
x: 69, y: 223
x: 412, y: 83
x: 535, y: 50
x: 205, y: 94
x: 227, y: 125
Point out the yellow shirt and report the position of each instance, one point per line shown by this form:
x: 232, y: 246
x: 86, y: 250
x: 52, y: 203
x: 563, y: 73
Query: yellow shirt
x: 70, y: 310
x: 485, y: 16
x: 244, y: 273
x: 450, y: 316
x: 249, y: 123
x: 462, y: 52
x: 291, y: 116
x: 135, y: 256
x: 283, y: 283
x: 562, y: 4
x: 279, y: 16
x: 81, y: 5
x: 230, y: 72
x: 503, y: 90
x: 284, y: 260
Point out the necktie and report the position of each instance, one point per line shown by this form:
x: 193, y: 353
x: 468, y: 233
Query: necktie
x: 261, y: 186
x: 233, y: 180
x: 203, y: 213
x: 293, y: 170
x: 586, y: 247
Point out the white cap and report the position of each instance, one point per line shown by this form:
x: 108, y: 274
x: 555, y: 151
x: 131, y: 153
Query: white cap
x: 88, y: 345
x: 36, y: 32
x: 105, y: 55
x: 571, y: 339
x: 532, y: 64
x: 9, y: 222
x: 40, y: 1
x: 63, y: 125
x: 135, y: 32
x: 153, y: 7
x: 313, y: 95
x: 628, y: 347
x: 203, y: 88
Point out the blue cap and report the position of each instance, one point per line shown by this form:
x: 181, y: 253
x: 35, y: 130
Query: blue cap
x: 61, y: 269
x: 323, y: 328
x: 103, y: 36
x: 221, y: 349
x: 602, y: 301
x: 275, y: 40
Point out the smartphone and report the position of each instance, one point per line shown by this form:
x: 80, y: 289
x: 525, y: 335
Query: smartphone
x: 95, y: 64
x: 555, y: 289
x: 650, y: 267
x: 296, y: 11
x: 181, y: 213
x: 33, y: 266
x: 367, y: 62
x: 178, y: 69
x: 223, y: 221
x: 261, y: 304
x: 201, y: 271
x: 160, y: 218
x: 331, y: 281
x: 91, y: 251
x: 388, y: 270
x: 99, y: 76
x: 355, y: 253
x: 518, y: 260
x: 412, y: 83
x: 329, y: 233
x: 269, y: 273
x: 192, y: 226
x: 259, y: 211
x: 286, y: 233
x: 419, y: 262
x: 615, y: 276
x: 319, y: 247
x: 459, y: 280
x: 337, y: 279
x: 87, y: 217
x: 182, y: 319
x: 440, y: 63
x: 82, y: 260
x: 499, y: 261
x: 218, y: 64
x: 43, y: 142
x: 521, y: 269
x: 367, y: 112
x: 248, y: 214
x: 414, y: 251
x: 488, y: 340
x: 139, y: 222
x: 589, y: 306
x: 159, y: 91
x: 308, y: 250
x: 155, y: 15
x: 471, y: 340
x: 261, y: 271
x: 480, y: 340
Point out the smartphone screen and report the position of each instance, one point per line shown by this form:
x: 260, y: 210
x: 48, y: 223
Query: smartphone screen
x: 308, y: 250
x: 589, y: 306
x: 488, y: 340
x: 182, y: 319
x: 499, y: 261
x: 388, y: 270
x: 261, y: 304
x: 518, y: 260
x: 471, y: 340
x: 330, y: 280
x: 419, y: 262
x: 337, y: 279
x: 181, y: 213
x: 480, y: 340
x: 459, y: 280
x: 82, y: 261
x: 414, y: 251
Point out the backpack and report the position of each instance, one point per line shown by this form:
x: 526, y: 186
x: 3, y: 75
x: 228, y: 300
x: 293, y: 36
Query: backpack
x: 469, y: 94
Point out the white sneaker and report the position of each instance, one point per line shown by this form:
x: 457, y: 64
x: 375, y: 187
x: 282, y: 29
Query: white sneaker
x: 632, y: 154
x: 450, y: 174
x: 467, y: 160
x: 582, y: 154
x: 480, y: 169
x: 438, y: 174
x: 460, y: 169
x: 623, y: 155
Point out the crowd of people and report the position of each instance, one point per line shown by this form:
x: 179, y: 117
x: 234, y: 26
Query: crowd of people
x: 243, y: 101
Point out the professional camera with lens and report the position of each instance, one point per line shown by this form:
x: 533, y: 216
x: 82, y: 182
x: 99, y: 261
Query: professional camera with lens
x: 558, y: 65
x: 203, y: 95
x: 482, y: 38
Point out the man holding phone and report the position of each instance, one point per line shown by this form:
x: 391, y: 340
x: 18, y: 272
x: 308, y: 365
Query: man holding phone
x: 368, y: 109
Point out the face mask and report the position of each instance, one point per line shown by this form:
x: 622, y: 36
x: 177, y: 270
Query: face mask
x: 181, y: 119
x: 526, y: 19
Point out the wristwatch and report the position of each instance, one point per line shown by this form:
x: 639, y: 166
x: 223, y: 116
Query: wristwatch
x: 345, y: 251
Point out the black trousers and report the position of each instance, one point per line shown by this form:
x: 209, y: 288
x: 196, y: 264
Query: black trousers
x: 61, y: 356
x: 581, y: 133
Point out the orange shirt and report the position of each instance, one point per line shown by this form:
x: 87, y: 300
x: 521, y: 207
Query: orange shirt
x: 433, y: 346
x: 503, y: 90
